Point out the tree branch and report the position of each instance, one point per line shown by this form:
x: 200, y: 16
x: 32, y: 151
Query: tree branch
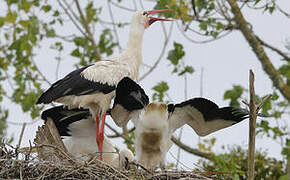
x: 88, y: 31
x: 274, y: 49
x: 190, y: 150
x: 257, y: 48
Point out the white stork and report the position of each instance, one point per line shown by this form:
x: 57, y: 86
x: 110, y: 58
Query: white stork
x: 79, y: 128
x: 93, y: 86
x: 156, y: 122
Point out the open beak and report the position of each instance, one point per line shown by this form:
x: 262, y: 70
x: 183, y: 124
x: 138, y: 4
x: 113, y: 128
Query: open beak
x: 154, y: 19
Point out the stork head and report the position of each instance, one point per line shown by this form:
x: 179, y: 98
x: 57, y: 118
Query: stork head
x: 156, y: 112
x: 143, y: 17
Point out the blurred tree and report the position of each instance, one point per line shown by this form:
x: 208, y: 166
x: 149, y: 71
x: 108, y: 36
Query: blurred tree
x: 26, y: 24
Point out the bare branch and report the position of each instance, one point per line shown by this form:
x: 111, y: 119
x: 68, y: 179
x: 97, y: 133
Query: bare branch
x: 87, y: 28
x: 162, y: 51
x: 190, y: 150
x: 274, y: 49
x: 71, y: 18
x: 119, y: 134
x: 114, y: 26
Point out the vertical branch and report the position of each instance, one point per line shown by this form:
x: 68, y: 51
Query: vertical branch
x: 252, y: 124
x: 88, y: 31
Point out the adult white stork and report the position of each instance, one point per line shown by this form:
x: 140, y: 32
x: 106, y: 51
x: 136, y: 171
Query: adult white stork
x: 156, y: 122
x: 93, y: 86
x: 79, y: 128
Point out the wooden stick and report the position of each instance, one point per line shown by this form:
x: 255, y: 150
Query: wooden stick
x: 252, y: 124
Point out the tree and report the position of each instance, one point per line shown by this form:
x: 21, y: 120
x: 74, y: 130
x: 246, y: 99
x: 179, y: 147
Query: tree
x: 29, y: 27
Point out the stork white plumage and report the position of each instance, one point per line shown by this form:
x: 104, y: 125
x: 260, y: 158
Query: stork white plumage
x: 156, y: 122
x: 93, y: 86
x: 78, y: 126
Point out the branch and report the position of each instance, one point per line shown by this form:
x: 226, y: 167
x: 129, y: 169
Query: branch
x: 252, y: 124
x: 190, y: 150
x: 274, y: 49
x: 259, y: 50
x: 119, y: 135
x: 88, y: 31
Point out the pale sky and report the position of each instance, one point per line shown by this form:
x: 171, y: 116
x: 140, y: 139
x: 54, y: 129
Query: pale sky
x: 225, y: 62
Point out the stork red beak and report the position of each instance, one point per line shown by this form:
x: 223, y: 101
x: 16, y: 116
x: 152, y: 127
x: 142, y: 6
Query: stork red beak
x: 154, y: 19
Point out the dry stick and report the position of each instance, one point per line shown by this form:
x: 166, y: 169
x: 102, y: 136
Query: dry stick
x: 21, y: 135
x: 252, y: 124
x: 254, y: 110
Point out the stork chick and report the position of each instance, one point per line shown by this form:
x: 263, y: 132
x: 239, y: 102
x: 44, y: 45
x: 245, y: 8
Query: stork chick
x: 156, y: 122
x: 78, y: 126
x: 93, y: 86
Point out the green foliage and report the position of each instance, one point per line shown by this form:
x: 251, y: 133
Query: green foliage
x: 235, y: 162
x: 106, y: 43
x: 285, y: 72
x: 160, y: 89
x: 175, y: 57
x: 233, y: 95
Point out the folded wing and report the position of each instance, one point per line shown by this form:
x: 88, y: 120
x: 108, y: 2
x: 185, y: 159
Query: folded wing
x: 64, y: 117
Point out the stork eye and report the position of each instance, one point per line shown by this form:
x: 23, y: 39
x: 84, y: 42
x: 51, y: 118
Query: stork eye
x: 145, y: 13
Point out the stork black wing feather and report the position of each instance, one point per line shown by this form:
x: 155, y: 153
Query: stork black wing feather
x: 130, y: 95
x: 211, y: 111
x: 63, y: 117
x: 73, y: 84
x: 204, y: 116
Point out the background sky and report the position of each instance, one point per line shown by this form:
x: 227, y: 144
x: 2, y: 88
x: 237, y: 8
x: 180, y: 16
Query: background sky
x: 225, y: 62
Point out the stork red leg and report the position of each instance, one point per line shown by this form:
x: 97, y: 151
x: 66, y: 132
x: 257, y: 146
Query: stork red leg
x: 97, y: 128
x: 100, y: 136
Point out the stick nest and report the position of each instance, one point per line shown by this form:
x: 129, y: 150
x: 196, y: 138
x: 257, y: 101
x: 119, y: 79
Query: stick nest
x: 31, y: 167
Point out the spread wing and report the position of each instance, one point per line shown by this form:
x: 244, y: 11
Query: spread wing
x: 204, y: 116
x: 130, y: 98
x: 64, y: 117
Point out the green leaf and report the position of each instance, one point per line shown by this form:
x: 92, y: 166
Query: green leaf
x: 220, y: 26
x: 187, y: 69
x: 46, y: 8
x: 234, y: 95
x: 106, y: 43
x: 2, y: 21
x: 50, y: 33
x: 81, y: 41
x: 11, y: 17
x: 285, y: 177
x: 76, y: 53
x: 176, y: 54
x: 160, y: 90
x: 203, y: 25
x: 25, y: 5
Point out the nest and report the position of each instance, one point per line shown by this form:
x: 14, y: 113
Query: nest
x: 48, y: 159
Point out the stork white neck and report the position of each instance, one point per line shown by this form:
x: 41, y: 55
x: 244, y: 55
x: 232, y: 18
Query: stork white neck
x: 136, y: 37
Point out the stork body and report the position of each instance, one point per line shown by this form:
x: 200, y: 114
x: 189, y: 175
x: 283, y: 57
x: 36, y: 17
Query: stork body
x: 77, y: 126
x: 93, y: 86
x: 156, y: 122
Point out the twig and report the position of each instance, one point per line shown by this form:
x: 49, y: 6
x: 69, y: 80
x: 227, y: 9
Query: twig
x: 286, y: 58
x: 162, y: 51
x: 71, y: 18
x: 21, y: 135
x: 118, y: 134
x: 114, y: 26
x: 90, y: 35
x: 190, y: 150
